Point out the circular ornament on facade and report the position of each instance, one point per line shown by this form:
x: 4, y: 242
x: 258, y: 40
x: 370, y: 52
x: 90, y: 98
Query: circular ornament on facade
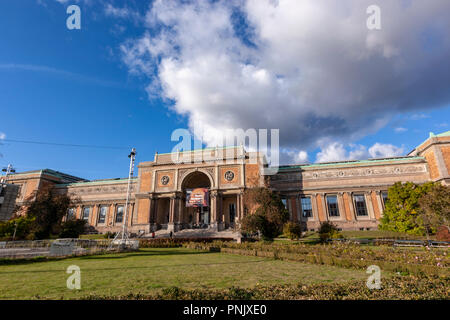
x: 315, y: 175
x: 368, y: 171
x: 341, y: 173
x: 165, y: 180
x: 229, y: 175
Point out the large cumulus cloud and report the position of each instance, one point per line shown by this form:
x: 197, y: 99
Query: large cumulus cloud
x: 309, y: 68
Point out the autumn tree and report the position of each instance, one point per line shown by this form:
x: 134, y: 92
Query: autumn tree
x: 265, y: 213
x: 435, y: 205
x: 47, y: 209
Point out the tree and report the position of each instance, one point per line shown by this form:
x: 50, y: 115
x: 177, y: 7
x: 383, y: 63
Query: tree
x: 435, y: 207
x: 72, y: 228
x: 402, y: 211
x: 47, y: 208
x: 292, y: 230
x: 264, y: 212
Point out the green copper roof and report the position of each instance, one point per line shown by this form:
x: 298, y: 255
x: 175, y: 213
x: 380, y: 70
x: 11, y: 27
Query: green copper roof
x: 95, y: 182
x: 351, y: 162
x: 443, y: 134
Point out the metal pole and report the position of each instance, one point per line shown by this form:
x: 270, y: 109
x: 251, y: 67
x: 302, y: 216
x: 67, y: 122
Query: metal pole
x: 124, y: 226
x: 9, y: 169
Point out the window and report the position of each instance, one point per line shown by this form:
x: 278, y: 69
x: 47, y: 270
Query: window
x: 333, y: 210
x: 284, y: 200
x: 70, y: 213
x: 102, y: 214
x: 119, y: 214
x: 306, y: 207
x: 384, y: 195
x: 360, y: 205
x: 86, y: 212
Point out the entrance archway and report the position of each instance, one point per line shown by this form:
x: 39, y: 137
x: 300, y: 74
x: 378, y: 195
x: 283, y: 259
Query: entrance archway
x: 195, y: 217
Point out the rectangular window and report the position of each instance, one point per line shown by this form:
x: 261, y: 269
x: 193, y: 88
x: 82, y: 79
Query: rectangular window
x: 333, y: 210
x: 102, y: 214
x: 284, y: 200
x: 306, y: 207
x: 70, y: 213
x: 384, y: 195
x: 119, y: 214
x: 86, y: 212
x: 360, y: 204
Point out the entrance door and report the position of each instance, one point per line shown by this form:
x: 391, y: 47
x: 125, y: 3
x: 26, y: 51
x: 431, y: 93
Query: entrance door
x: 204, y: 215
x: 232, y: 210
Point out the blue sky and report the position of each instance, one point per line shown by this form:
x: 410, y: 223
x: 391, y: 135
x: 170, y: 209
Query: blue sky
x: 76, y: 87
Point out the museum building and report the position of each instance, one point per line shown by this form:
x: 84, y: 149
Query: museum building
x: 205, y: 188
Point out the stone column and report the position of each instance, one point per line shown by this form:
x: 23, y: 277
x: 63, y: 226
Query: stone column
x: 172, y: 204
x: 238, y: 207
x: 151, y: 212
x: 379, y: 202
x: 351, y: 206
x: 323, y: 206
x: 367, y: 196
x: 315, y: 212
x: 342, y: 214
x: 172, y: 209
x: 180, y: 209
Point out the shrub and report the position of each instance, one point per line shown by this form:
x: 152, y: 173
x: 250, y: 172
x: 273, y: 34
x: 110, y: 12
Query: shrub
x: 292, y: 230
x: 72, y: 228
x: 21, y: 226
x: 328, y: 230
x: 403, y: 212
x: 109, y: 235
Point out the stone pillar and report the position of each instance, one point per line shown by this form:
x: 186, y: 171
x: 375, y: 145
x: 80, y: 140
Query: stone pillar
x: 368, y: 198
x: 379, y: 202
x: 94, y: 215
x: 180, y: 209
x: 151, y: 212
x: 238, y: 207
x: 341, y: 206
x: 322, y: 207
x: 351, y: 206
x: 172, y: 205
x: 315, y: 212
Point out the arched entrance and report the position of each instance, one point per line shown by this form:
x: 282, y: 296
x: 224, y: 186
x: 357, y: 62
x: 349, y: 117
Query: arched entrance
x: 195, y: 212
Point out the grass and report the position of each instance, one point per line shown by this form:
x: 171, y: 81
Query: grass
x: 92, y: 236
x: 148, y: 271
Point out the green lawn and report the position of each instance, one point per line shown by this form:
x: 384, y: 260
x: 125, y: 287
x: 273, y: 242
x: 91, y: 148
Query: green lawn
x: 153, y: 269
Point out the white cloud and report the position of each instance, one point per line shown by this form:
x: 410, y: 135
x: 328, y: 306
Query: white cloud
x: 419, y: 116
x: 293, y: 156
x: 308, y: 68
x: 400, y: 129
x: 336, y: 151
x: 2, y: 136
x: 379, y: 150
x: 123, y: 13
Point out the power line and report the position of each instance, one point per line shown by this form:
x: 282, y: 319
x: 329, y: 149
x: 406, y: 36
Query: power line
x: 62, y: 144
